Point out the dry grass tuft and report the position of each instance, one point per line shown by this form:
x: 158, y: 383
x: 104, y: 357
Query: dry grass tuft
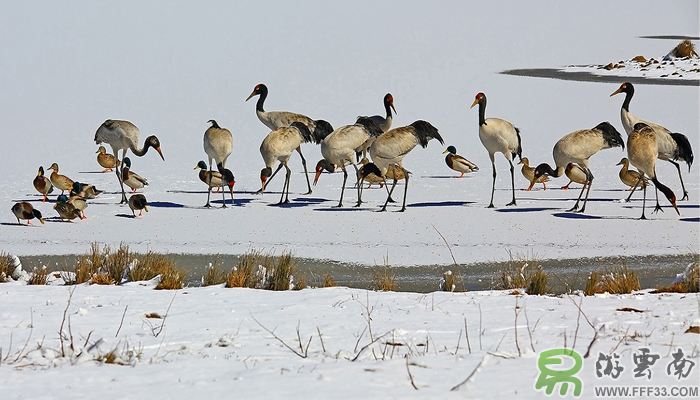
x: 39, y: 276
x: 7, y: 266
x: 617, y: 280
x: 242, y: 274
x: 300, y: 284
x: 448, y: 282
x: 328, y: 281
x: 689, y: 282
x: 149, y: 266
x: 84, y: 270
x: 117, y: 262
x: 522, y: 273
x: 213, y: 275
x: 686, y: 48
x: 280, y: 278
x: 384, y: 279
x: 102, y: 279
x: 172, y: 278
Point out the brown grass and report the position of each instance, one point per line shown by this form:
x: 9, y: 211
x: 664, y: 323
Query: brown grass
x: 384, y: 279
x: 117, y: 262
x: 300, y: 284
x: 686, y: 48
x: 39, y: 276
x: 7, y: 266
x: 172, y: 278
x: 242, y: 274
x: 149, y: 266
x: 102, y: 279
x: 84, y: 270
x: 449, y: 282
x: 280, y: 277
x: 214, y: 276
x: 522, y: 273
x: 690, y: 283
x: 328, y: 281
x: 617, y: 280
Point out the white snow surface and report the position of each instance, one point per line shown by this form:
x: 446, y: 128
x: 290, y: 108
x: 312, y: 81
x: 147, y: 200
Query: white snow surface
x: 169, y: 68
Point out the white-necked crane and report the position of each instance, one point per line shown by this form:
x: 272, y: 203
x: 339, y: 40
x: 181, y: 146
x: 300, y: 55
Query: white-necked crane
x: 577, y: 147
x: 642, y: 152
x: 279, y: 119
x: 218, y: 144
x: 342, y: 144
x: 392, y: 146
x: 278, y: 145
x: 498, y: 136
x: 672, y: 146
x: 124, y: 136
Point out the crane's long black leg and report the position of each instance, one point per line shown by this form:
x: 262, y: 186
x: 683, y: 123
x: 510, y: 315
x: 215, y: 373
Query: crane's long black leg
x: 493, y: 186
x: 658, y: 206
x: 641, y: 179
x: 390, y: 192
x: 405, y: 190
x: 306, y: 173
x: 644, y: 202
x: 119, y: 177
x: 589, y: 181
x: 678, y: 167
x: 575, y: 207
x: 342, y: 190
x: 512, y: 181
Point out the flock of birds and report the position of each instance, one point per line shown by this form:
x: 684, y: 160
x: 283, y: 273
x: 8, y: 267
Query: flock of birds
x: 373, y: 136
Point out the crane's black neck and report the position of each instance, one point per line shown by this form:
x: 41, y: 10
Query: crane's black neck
x: 482, y: 111
x: 261, y: 99
x: 629, y: 92
x: 387, y: 107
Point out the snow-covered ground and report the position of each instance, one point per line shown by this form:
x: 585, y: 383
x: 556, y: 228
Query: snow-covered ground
x: 70, y: 67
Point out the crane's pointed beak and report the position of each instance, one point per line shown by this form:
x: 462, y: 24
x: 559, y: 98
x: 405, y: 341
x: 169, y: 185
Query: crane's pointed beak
x: 251, y: 95
x: 160, y: 152
x: 616, y: 92
x: 392, y: 107
x: 318, y: 174
x: 474, y: 103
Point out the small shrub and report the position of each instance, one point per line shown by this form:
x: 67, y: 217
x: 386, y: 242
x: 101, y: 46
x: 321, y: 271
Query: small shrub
x: 242, y: 274
x: 213, y: 276
x: 328, y: 281
x: 519, y: 273
x: 117, y: 262
x: 84, y: 270
x: 7, y: 267
x: 171, y: 279
x: 684, y: 49
x: 149, y: 266
x: 618, y: 280
x: 538, y: 282
x: 384, y: 279
x: 301, y: 283
x: 39, y: 276
x: 448, y: 283
x: 280, y: 278
x: 687, y: 282
x: 102, y: 279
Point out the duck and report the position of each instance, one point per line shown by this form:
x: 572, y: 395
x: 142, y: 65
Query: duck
x: 576, y: 174
x: 529, y: 173
x: 457, y: 162
x: 211, y: 178
x: 498, y: 136
x: 24, y: 210
x: 76, y: 201
x: 630, y: 177
x: 106, y: 160
x: 138, y: 202
x: 132, y: 179
x: 124, y: 136
x: 43, y: 184
x: 84, y: 190
x: 61, y: 182
x: 65, y: 209
x: 577, y: 147
x: 672, y: 146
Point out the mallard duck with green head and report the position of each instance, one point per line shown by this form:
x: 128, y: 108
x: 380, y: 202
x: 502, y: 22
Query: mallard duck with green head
x: 457, y: 162
x: 132, y: 179
x: 138, y: 202
x: 84, y: 190
x: 42, y: 184
x: 65, y: 209
x: 26, y: 211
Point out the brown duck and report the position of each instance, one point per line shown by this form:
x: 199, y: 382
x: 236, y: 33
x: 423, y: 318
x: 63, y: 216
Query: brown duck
x: 43, y: 184
x: 60, y: 181
x: 630, y: 177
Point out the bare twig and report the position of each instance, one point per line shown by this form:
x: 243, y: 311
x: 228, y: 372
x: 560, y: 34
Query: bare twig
x: 466, y: 333
x: 517, y: 311
x: 167, y: 312
x: 459, y: 338
x: 464, y: 382
x: 578, y: 324
x: 65, y: 311
x: 323, y: 346
x: 302, y: 355
x: 595, y: 334
x: 357, y: 343
x: 529, y: 331
x: 122, y: 321
x: 369, y: 344
x: 480, y: 331
x: 411, y: 376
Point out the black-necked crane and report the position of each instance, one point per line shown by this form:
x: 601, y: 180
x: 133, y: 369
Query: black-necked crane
x: 279, y: 119
x: 338, y: 148
x: 42, y: 184
x: 630, y: 177
x: 498, y: 136
x: 24, y: 210
x: 577, y: 147
x: 218, y: 144
x: 384, y: 123
x: 457, y: 162
x: 124, y: 136
x: 672, y: 146
x: 278, y: 145
x: 529, y: 173
x: 642, y: 152
x: 392, y: 146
